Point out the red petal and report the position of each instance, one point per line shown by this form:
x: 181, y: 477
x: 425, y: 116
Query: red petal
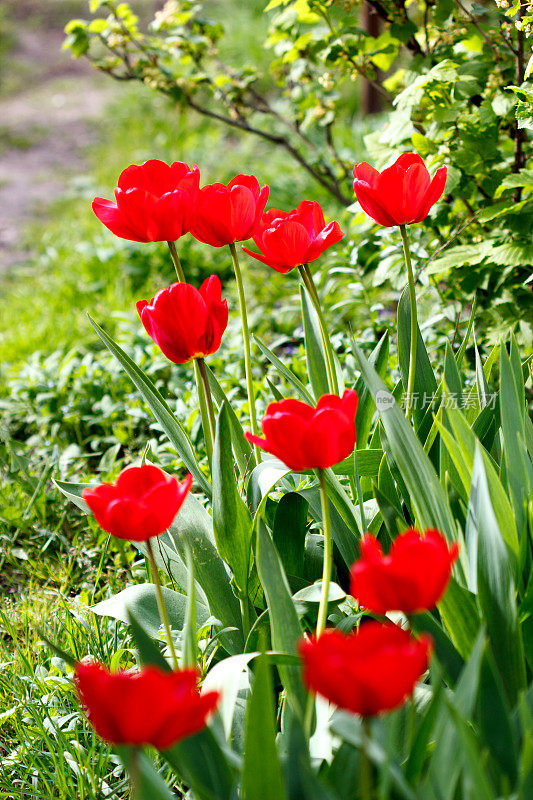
x: 373, y: 204
x: 108, y: 213
x: 434, y: 192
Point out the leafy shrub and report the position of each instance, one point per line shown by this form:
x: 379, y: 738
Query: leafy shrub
x: 456, y: 77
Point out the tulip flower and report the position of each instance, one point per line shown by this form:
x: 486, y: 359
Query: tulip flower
x: 402, y: 194
x: 411, y: 578
x: 365, y: 672
x: 155, y: 202
x: 151, y: 707
x: 228, y: 214
x: 307, y: 438
x: 290, y: 239
x: 186, y: 322
x: 142, y: 503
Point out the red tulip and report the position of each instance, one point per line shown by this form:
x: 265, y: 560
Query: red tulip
x: 412, y: 578
x: 227, y: 214
x: 306, y: 438
x: 186, y: 322
x: 366, y: 672
x: 401, y: 194
x: 288, y: 239
x: 151, y: 707
x: 141, y: 504
x: 155, y: 202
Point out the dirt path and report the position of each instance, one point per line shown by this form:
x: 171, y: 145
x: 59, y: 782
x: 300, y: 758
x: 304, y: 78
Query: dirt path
x: 45, y: 124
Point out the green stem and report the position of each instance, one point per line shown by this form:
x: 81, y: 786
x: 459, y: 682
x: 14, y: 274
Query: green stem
x: 309, y: 715
x: 414, y: 320
x: 161, y: 603
x: 177, y: 262
x: 207, y: 420
x: 208, y: 396
x: 135, y: 774
x: 328, y: 555
x: 366, y: 766
x: 309, y: 284
x: 247, y: 351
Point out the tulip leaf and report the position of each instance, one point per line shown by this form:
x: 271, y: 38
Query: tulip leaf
x: 452, y: 378
x: 284, y: 623
x: 300, y: 778
x: 348, y: 727
x: 368, y: 462
x: 140, y: 600
x: 202, y: 763
x: 241, y: 446
x: 519, y: 470
x: 462, y: 454
x: 72, y: 492
x: 426, y: 494
x: 314, y: 348
x: 159, y: 407
x: 289, y: 530
x: 448, y: 756
x: 473, y: 756
x: 193, y: 527
x: 447, y: 655
x: 148, y: 783
x: 149, y: 652
x: 497, y: 728
x: 425, y: 384
x: 344, y: 526
x: 496, y: 589
x: 263, y: 479
x: 379, y: 358
x: 232, y: 522
x: 285, y: 372
x: 261, y: 776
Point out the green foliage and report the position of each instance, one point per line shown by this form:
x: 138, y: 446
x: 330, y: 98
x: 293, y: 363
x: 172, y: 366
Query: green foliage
x: 454, y: 77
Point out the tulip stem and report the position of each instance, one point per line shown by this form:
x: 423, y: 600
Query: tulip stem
x: 328, y: 555
x: 177, y: 262
x: 307, y: 278
x: 414, y: 320
x: 161, y: 603
x: 366, y: 766
x: 206, y: 407
x: 247, y: 351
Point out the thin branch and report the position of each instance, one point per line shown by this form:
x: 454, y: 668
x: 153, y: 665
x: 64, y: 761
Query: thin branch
x: 476, y: 24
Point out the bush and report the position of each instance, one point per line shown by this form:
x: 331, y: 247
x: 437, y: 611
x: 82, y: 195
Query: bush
x: 455, y: 77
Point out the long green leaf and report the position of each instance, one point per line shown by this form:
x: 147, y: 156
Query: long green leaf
x: 518, y: 467
x: 193, y: 527
x: 261, y: 776
x: 241, y: 446
x: 426, y: 494
x: 284, y: 623
x: 314, y: 349
x: 425, y: 384
x: 147, y: 781
x: 140, y: 600
x: 285, y: 372
x: 379, y: 358
x: 232, y: 522
x: 496, y: 590
x: 159, y: 407
x: 203, y: 765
